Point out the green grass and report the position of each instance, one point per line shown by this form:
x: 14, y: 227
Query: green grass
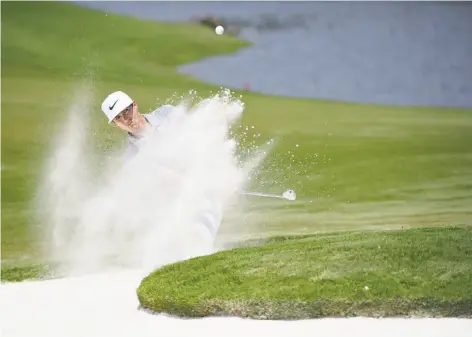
x: 30, y: 272
x: 421, y: 272
x: 356, y: 167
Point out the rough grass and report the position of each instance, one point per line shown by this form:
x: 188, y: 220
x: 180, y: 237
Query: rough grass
x: 414, y: 272
x: 356, y: 166
x: 29, y: 272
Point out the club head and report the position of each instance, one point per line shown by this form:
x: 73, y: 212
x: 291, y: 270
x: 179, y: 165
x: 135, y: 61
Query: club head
x: 289, y: 195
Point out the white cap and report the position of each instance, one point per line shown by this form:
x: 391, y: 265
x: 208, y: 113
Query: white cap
x: 115, y: 103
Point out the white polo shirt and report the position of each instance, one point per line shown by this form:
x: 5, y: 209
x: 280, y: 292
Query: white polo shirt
x: 155, y: 119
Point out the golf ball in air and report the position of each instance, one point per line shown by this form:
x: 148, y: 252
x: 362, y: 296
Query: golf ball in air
x: 219, y: 30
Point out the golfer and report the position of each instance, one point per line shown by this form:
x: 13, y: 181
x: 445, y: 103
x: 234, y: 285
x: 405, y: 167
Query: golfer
x: 123, y: 111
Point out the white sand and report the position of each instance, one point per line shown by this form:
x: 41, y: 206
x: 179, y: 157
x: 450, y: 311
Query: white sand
x: 106, y: 305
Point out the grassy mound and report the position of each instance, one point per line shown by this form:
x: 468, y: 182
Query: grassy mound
x: 425, y: 272
x: 355, y: 167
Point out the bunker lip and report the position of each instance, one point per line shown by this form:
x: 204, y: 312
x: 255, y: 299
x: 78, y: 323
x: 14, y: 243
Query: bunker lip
x: 106, y: 304
x: 399, y: 273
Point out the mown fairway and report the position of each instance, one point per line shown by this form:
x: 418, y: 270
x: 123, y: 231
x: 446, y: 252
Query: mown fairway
x: 355, y: 167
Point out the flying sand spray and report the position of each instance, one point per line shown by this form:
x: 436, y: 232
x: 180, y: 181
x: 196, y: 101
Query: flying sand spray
x: 144, y: 214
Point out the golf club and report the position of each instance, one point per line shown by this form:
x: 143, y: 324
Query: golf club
x: 287, y: 195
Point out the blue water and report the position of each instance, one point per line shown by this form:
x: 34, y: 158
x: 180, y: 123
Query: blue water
x: 396, y: 53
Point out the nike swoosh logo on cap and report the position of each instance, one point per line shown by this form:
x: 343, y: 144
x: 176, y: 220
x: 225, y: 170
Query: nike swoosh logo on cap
x: 112, y: 106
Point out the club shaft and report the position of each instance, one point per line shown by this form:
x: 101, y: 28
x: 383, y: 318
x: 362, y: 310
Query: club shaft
x: 264, y: 195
